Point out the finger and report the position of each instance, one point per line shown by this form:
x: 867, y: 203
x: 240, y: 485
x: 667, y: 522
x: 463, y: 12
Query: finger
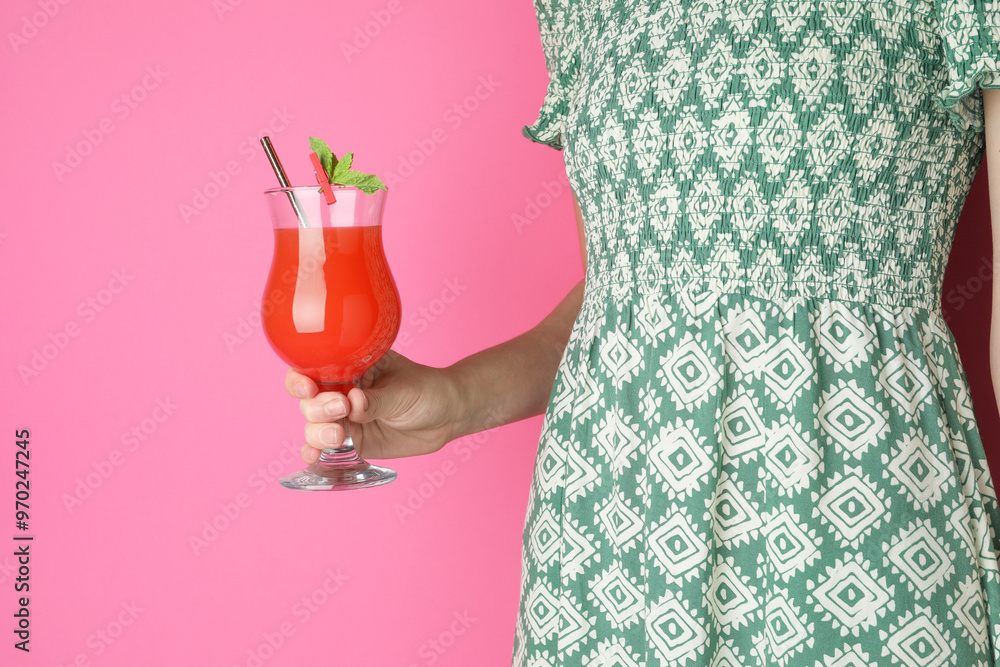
x: 298, y: 385
x: 326, y: 407
x: 370, y: 404
x: 309, y: 454
x: 321, y: 436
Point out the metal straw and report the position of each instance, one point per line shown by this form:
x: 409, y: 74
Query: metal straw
x: 279, y: 171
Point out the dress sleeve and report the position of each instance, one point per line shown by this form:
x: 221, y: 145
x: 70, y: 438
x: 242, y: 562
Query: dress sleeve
x: 556, y: 26
x: 970, y: 36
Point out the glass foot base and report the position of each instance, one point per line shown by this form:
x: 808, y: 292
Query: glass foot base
x: 338, y: 469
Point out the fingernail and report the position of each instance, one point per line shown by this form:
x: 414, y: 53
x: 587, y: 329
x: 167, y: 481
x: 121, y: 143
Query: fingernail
x: 300, y: 389
x: 326, y: 435
x: 335, y: 409
x: 366, y: 401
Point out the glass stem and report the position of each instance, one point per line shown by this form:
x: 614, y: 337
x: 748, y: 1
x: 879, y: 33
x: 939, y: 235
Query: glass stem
x: 345, y: 453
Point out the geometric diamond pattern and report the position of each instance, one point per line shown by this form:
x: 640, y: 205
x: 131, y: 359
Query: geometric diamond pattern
x: 691, y: 372
x: 581, y: 474
x: 620, y: 522
x: 919, y: 472
x: 679, y: 458
x: 574, y: 624
x: 746, y: 342
x: 922, y: 556
x: 677, y: 634
x: 853, y: 421
x: 786, y: 632
x: 545, y: 536
x: 542, y: 609
x: 788, y: 370
x: 621, y: 600
x: 578, y: 549
x: 852, y: 505
x: 731, y: 597
x: 622, y: 357
x: 968, y: 610
x: 675, y: 546
x: 618, y: 439
x: 733, y: 516
x: 918, y: 641
x: 742, y: 428
x: 905, y: 383
x: 843, y: 337
x: 791, y: 459
x: 853, y: 598
x: 789, y: 547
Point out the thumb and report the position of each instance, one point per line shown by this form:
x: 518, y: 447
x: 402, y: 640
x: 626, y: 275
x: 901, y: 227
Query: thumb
x: 372, y: 403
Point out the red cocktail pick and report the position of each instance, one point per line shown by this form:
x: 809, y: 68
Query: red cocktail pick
x: 324, y: 180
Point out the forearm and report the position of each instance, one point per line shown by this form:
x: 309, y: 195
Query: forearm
x: 513, y: 380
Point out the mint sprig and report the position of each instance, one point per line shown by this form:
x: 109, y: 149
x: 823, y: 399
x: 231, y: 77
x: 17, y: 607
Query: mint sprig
x: 339, y: 171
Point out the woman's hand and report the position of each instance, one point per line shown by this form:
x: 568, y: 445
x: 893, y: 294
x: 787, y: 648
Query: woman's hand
x: 402, y: 408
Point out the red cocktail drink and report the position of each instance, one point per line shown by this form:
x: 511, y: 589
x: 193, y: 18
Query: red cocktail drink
x: 331, y: 308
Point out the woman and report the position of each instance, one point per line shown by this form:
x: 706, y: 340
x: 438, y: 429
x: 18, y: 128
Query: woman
x: 759, y: 446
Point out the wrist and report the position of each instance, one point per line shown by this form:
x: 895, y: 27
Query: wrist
x: 458, y: 399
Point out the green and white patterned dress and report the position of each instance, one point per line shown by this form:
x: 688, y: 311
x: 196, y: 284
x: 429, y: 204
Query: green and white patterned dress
x: 760, y: 447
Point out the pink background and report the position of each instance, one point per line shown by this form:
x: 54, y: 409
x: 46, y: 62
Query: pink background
x: 114, y: 514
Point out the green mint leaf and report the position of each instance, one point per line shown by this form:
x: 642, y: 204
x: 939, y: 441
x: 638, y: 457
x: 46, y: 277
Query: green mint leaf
x: 326, y: 156
x: 340, y: 172
x: 364, y: 182
x: 342, y: 167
